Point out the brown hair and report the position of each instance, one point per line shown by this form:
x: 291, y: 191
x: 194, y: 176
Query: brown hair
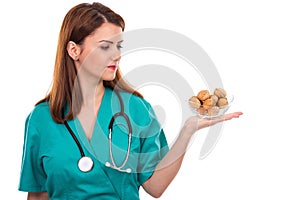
x: 80, y: 22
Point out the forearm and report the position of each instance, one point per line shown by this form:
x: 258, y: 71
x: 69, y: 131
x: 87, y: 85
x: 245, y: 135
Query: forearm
x: 169, y: 166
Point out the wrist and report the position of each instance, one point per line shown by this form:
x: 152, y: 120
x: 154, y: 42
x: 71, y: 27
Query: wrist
x: 186, y: 133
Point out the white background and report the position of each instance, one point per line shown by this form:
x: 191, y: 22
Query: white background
x: 254, y: 44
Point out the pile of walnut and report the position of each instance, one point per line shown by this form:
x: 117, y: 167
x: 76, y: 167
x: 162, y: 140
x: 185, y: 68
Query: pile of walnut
x: 209, y: 104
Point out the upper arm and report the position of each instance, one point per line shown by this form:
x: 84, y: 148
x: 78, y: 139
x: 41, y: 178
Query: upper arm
x: 32, y: 176
x: 37, y: 196
x: 153, y: 143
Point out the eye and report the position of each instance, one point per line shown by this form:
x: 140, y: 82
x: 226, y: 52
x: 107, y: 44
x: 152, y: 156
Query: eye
x: 104, y: 47
x: 119, y: 46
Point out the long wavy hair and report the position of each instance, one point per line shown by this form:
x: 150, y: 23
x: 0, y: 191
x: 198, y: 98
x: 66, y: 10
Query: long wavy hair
x: 80, y: 22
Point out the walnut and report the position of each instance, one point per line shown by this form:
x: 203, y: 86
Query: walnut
x: 209, y: 102
x: 214, y: 98
x: 202, y: 110
x: 203, y: 95
x: 222, y: 102
x: 213, y: 111
x: 220, y: 92
x: 194, y: 102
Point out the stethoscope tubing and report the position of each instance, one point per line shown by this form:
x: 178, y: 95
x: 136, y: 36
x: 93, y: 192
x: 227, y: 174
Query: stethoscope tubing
x: 110, y: 127
x: 75, y: 139
x: 85, y: 163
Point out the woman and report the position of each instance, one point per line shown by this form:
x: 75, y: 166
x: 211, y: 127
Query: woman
x: 74, y: 120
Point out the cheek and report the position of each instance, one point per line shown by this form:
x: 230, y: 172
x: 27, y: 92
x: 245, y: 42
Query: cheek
x: 96, y: 59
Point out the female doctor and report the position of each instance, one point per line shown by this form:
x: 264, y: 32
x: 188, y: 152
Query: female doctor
x: 93, y: 136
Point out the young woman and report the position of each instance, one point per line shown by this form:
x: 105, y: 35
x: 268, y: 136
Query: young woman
x: 93, y: 136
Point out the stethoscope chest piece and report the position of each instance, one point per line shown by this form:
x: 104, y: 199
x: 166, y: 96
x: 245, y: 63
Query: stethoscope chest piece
x: 85, y: 164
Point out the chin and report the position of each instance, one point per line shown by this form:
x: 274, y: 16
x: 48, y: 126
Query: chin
x: 108, y: 78
x: 108, y: 75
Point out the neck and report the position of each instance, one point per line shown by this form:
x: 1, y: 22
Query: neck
x: 92, y: 93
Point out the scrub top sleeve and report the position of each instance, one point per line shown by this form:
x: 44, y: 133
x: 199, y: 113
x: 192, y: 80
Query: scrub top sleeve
x: 32, y: 177
x: 153, y: 148
x: 157, y: 148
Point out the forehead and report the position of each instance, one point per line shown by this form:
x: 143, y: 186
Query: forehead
x: 106, y: 31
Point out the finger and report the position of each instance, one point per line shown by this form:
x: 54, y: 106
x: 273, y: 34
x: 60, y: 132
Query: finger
x: 210, y: 122
x: 203, y: 123
x: 232, y: 115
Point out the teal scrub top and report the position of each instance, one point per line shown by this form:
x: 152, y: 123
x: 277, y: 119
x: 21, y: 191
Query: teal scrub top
x: 50, y: 155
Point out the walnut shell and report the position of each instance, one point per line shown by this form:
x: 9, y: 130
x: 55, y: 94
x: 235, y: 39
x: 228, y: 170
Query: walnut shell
x: 214, y: 98
x: 222, y: 102
x: 194, y: 102
x: 213, y: 111
x: 220, y: 92
x: 202, y: 110
x: 209, y: 102
x: 203, y: 95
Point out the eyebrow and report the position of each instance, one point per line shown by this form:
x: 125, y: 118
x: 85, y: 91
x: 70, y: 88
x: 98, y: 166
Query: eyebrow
x: 111, y: 42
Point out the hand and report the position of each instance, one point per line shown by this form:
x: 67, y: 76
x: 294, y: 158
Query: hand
x: 196, y: 123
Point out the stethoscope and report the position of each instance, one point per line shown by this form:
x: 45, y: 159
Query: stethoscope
x: 85, y: 163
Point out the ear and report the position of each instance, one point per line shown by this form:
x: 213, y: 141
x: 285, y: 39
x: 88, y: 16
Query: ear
x: 73, y: 50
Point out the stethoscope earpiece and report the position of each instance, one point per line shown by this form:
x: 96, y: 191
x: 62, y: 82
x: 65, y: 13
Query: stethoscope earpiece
x: 107, y: 164
x: 128, y: 170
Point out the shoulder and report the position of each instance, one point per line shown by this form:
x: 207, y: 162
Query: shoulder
x: 135, y: 102
x: 39, y: 114
x: 139, y: 109
x: 127, y: 98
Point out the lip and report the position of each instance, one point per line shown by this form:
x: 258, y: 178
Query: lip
x: 112, y: 67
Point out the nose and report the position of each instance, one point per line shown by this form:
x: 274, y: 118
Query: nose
x: 116, y: 56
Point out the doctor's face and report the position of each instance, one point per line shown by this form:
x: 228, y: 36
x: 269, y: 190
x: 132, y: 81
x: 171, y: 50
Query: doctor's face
x: 101, y: 53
